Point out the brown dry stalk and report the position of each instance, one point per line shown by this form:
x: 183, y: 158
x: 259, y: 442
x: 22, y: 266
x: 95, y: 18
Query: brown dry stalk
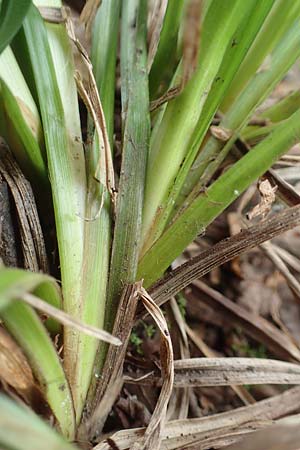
x: 267, y: 194
x: 110, y: 382
x: 178, y: 407
x: 152, y: 437
x: 88, y: 13
x: 207, y: 432
x: 166, y: 97
x: 240, y: 391
x: 195, y: 372
x: 292, y: 281
x: 222, y: 252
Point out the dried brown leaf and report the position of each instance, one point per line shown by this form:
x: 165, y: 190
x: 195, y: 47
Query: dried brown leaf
x: 281, y: 266
x: 90, y: 97
x: 32, y: 240
x: 52, y: 14
x: 209, y: 431
x: 226, y: 371
x: 179, y: 402
x: 110, y: 383
x: 168, y: 96
x: 267, y: 193
x: 220, y: 133
x: 152, y: 437
x: 15, y: 371
x: 240, y: 391
x: 8, y: 236
x: 224, y: 251
x: 88, y: 13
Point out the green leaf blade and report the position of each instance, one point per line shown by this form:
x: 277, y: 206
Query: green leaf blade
x: 205, y: 208
x: 12, y: 15
x: 28, y: 330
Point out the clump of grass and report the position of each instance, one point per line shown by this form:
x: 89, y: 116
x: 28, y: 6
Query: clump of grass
x: 170, y: 188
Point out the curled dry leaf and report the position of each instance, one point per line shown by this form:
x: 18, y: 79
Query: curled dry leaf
x: 179, y: 402
x: 151, y: 439
x: 111, y: 382
x: 91, y: 99
x: 32, y: 240
x: 267, y: 193
x: 221, y: 133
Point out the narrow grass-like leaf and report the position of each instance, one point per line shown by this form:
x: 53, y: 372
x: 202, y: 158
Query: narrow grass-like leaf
x: 282, y: 109
x: 272, y: 115
x: 21, y: 429
x: 103, y: 56
x: 11, y: 74
x: 135, y: 106
x: 237, y: 48
x: 11, y: 17
x: 20, y: 123
x: 98, y: 208
x: 170, y: 142
x: 53, y: 76
x: 165, y: 58
x: 280, y: 19
x: 22, y: 140
x: 29, y: 331
x: 225, y: 250
x: 14, y: 283
x: 203, y: 210
x: 215, y: 150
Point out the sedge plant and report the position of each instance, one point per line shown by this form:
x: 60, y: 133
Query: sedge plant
x: 169, y: 185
